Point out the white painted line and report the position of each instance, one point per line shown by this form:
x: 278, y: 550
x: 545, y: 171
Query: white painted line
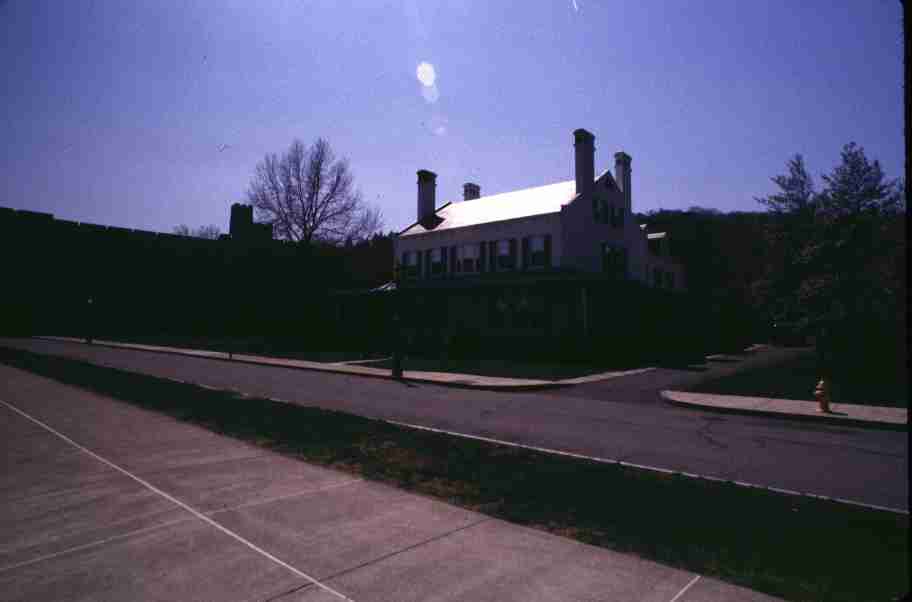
x: 558, y: 452
x: 176, y: 501
x: 686, y: 587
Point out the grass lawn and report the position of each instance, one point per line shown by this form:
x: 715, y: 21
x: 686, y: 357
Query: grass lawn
x: 250, y: 345
x: 792, y: 547
x: 795, y: 378
x: 503, y: 368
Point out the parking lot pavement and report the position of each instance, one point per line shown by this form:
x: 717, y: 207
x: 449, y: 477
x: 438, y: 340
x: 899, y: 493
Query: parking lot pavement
x: 100, y: 500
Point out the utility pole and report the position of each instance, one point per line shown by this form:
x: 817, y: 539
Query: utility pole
x: 907, y: 66
x: 397, y: 323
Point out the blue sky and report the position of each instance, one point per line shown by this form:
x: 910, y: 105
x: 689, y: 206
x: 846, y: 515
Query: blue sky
x: 152, y: 114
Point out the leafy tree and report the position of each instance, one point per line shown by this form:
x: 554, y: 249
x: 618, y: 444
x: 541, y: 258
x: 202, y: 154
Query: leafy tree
x: 836, y: 256
x: 308, y: 195
x: 793, y: 210
x: 210, y: 232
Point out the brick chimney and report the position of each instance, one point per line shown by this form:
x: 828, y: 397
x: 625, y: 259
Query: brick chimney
x: 622, y: 176
x: 584, y: 149
x: 427, y: 192
x: 470, y: 191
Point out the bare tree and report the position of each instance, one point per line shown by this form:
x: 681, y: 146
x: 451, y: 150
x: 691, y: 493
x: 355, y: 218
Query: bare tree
x: 308, y: 195
x: 210, y: 232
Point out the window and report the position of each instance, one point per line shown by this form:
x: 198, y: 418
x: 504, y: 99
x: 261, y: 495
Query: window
x: 505, y: 258
x: 437, y: 266
x: 657, y: 277
x: 617, y: 217
x: 669, y: 280
x: 410, y: 264
x: 614, y: 260
x: 467, y: 259
x: 537, y: 254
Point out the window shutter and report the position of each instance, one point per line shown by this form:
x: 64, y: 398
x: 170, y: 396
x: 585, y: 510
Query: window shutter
x: 443, y: 260
x: 482, y: 255
x: 427, y: 262
x: 454, y: 261
x: 419, y: 263
x: 492, y: 255
x: 525, y: 252
x: 548, y: 250
x: 513, y: 253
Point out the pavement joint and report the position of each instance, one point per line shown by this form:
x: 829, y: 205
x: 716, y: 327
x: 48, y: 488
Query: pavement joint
x: 92, y: 544
x: 204, y: 464
x: 169, y: 523
x: 287, y: 496
x: 287, y: 592
x: 183, y: 505
x: 408, y: 548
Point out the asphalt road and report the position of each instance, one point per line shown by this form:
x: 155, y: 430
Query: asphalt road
x: 101, y: 500
x: 622, y: 419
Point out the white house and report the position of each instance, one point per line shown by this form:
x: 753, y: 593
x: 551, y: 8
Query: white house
x: 584, y: 225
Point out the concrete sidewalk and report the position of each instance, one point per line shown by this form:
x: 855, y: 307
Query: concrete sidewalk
x: 841, y: 413
x: 102, y: 500
x: 451, y: 379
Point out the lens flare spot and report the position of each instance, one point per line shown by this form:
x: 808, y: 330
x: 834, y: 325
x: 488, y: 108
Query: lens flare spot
x: 426, y: 74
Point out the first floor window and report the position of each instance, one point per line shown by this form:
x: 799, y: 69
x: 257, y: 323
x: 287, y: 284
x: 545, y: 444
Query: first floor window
x: 436, y: 261
x: 467, y: 258
x: 657, y: 277
x: 537, y: 257
x: 504, y: 255
x: 410, y: 264
x: 614, y: 260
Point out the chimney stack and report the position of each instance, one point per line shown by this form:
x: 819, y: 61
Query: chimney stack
x: 241, y: 220
x: 584, y: 148
x: 470, y: 191
x: 622, y: 176
x: 427, y: 192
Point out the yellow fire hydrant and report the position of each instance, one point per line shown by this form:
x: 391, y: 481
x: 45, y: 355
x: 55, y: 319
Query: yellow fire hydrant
x: 822, y: 394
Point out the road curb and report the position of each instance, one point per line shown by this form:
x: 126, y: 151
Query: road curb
x: 820, y: 419
x: 332, y: 370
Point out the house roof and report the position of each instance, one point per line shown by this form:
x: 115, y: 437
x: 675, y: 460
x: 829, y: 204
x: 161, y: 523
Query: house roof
x: 499, y: 207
